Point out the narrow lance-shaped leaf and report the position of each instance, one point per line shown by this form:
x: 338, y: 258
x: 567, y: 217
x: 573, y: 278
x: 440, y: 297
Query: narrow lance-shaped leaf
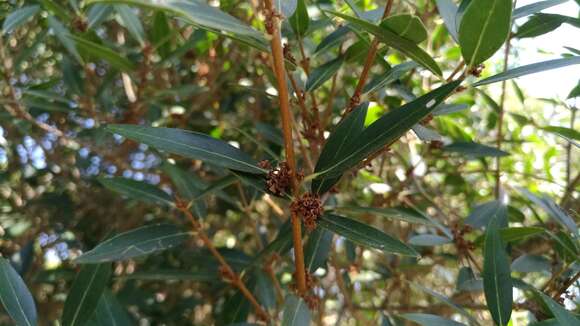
x: 85, y: 293
x: 173, y: 275
x: 541, y: 24
x: 296, y: 312
x: 111, y: 312
x: 336, y: 145
x: 563, y: 131
x: 448, y: 11
x: 390, y: 38
x: 131, y: 22
x: 448, y: 302
x: 15, y: 297
x: 191, y: 145
x: 286, y: 7
x: 300, y: 20
x: 365, y: 235
x: 497, y: 282
x: 535, y: 7
x: 196, y: 12
x: 388, y: 129
x: 139, y: 242
x: 427, y: 240
x: 139, y: 190
x: 474, y: 150
x: 484, y: 27
x: 406, y: 26
x: 396, y: 213
x: 64, y: 36
x: 550, y: 207
x: 189, y: 188
x: 19, y: 17
x: 317, y: 249
x: 530, y: 69
x: 92, y: 50
x: 430, y: 320
x: 389, y: 77
x: 321, y: 74
x: 563, y: 316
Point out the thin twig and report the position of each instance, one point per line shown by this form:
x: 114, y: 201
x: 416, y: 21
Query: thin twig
x: 228, y: 272
x: 355, y: 98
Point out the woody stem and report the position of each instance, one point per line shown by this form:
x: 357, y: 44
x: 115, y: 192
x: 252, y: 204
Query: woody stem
x: 273, y: 23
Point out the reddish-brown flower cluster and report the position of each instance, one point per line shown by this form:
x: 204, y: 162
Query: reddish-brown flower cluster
x: 279, y: 179
x: 463, y: 246
x: 311, y: 299
x: 309, y: 207
x: 427, y: 119
x: 476, y: 71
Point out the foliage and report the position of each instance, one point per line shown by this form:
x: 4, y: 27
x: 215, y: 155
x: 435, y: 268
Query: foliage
x: 177, y: 162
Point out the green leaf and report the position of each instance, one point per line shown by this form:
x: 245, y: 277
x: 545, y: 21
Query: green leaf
x: 65, y: 37
x: 391, y: 39
x: 110, y: 312
x: 333, y: 39
x: 484, y: 28
x: 388, y: 129
x: 296, y: 312
x: 286, y: 7
x: 531, y: 263
x: 541, y: 24
x: 427, y: 240
x: 131, y: 21
x: 575, y: 92
x: 430, y: 320
x: 474, y: 150
x: 300, y: 20
x: 513, y: 234
x: 18, y: 18
x: 530, y: 69
x: 535, y: 7
x: 563, y: 131
x: 497, y: 282
x: 139, y: 190
x: 337, y: 145
x: 321, y: 74
x: 15, y: 297
x: 389, y: 77
x: 173, y: 275
x: 448, y: 11
x: 159, y: 34
x: 142, y: 241
x: 94, y: 50
x: 448, y: 302
x: 317, y: 249
x: 365, y: 235
x: 445, y: 109
x: 406, y: 26
x: 195, y: 12
x: 402, y: 214
x: 550, y: 207
x: 85, y: 294
x: 190, y: 144
x: 563, y: 316
x: 97, y: 14
x: 189, y: 188
x: 482, y: 214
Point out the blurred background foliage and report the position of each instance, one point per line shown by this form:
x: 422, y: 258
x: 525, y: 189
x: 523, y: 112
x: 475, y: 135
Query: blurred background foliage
x: 69, y: 68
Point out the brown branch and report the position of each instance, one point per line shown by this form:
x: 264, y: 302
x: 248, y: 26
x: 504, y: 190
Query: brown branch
x: 355, y: 98
x: 228, y: 273
x: 273, y: 26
